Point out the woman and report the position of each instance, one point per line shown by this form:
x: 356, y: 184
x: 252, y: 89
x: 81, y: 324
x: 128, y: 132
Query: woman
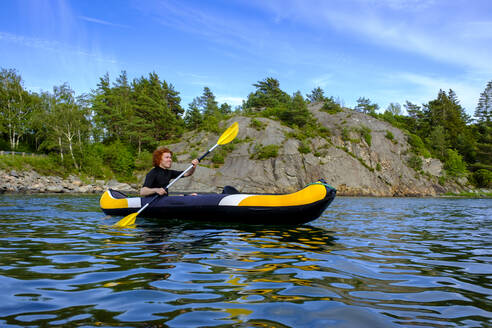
x: 159, y: 177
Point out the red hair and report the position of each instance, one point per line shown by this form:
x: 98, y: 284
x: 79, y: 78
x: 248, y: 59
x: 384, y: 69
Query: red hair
x: 157, y: 155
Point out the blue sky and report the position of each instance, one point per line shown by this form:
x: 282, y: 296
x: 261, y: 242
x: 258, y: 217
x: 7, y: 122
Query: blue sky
x: 385, y: 50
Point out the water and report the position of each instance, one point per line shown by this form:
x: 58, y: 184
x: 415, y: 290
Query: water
x: 367, y: 262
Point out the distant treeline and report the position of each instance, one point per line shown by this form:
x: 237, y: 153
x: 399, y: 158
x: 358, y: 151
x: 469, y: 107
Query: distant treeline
x: 121, y: 121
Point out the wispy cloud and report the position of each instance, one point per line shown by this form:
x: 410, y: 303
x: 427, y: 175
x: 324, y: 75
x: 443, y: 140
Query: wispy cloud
x: 426, y: 87
x: 322, y: 81
x: 53, y: 45
x: 440, y: 34
x: 102, y: 22
x: 197, y: 79
x: 246, y: 35
x: 233, y: 101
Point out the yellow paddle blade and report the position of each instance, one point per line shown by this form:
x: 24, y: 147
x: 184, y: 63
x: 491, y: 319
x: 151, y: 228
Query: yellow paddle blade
x: 229, y: 134
x: 126, y: 221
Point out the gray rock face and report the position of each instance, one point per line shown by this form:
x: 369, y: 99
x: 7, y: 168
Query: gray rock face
x: 345, y: 159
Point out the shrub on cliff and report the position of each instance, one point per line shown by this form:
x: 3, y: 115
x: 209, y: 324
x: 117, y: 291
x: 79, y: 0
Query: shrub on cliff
x: 264, y: 152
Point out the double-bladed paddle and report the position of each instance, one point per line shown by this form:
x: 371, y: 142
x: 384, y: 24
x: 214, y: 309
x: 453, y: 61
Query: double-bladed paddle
x: 225, y: 138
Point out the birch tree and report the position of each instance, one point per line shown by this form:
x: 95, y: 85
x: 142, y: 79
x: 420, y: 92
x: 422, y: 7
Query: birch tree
x: 15, y: 106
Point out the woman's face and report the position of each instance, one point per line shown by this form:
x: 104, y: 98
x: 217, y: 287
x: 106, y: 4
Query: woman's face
x: 166, y: 161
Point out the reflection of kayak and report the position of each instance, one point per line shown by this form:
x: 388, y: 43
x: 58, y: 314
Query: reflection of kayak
x: 299, y: 207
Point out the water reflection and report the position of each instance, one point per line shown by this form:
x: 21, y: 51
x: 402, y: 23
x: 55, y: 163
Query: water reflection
x: 366, y: 262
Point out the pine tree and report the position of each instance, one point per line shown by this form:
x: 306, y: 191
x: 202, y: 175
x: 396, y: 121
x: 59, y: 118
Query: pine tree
x: 208, y: 104
x: 483, y: 112
x: 267, y: 95
x: 316, y: 95
x: 364, y: 106
x: 446, y: 111
x: 296, y: 113
x: 193, y: 118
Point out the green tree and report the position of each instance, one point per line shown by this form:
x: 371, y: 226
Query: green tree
x: 267, y: 95
x: 208, y: 104
x: 454, y: 164
x: 483, y: 132
x: 68, y: 121
x: 106, y: 116
x: 173, y: 99
x: 158, y: 122
x: 296, y: 112
x: 483, y: 112
x: 15, y: 106
x: 364, y: 105
x: 193, y: 117
x: 225, y: 109
x: 316, y: 95
x: 437, y: 139
x: 394, y: 108
x: 446, y: 111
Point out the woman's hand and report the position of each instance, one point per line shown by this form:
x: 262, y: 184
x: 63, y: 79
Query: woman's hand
x: 160, y: 191
x: 192, y: 170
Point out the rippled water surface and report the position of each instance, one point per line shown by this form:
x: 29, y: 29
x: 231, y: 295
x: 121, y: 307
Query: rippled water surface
x: 367, y: 262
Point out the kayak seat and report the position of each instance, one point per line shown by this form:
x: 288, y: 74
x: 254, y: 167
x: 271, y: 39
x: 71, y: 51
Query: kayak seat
x: 230, y: 190
x: 117, y: 194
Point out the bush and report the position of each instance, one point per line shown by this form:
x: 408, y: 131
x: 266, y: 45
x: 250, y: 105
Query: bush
x: 324, y: 132
x: 389, y: 135
x: 193, y: 155
x: 345, y: 134
x: 45, y: 165
x: 120, y: 159
x: 143, y: 161
x: 454, y: 164
x: 218, y: 158
x: 331, y: 107
x: 92, y: 161
x: 257, y: 125
x: 418, y: 145
x: 482, y: 178
x: 415, y: 162
x: 304, y: 148
x: 366, y: 134
x: 264, y: 152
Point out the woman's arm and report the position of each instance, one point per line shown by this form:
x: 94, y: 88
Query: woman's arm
x: 192, y: 170
x: 146, y: 191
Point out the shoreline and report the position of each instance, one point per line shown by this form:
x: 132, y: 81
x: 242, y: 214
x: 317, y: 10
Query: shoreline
x: 31, y: 182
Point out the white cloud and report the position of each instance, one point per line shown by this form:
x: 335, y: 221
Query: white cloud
x: 420, y: 27
x: 60, y: 48
x: 427, y: 88
x: 102, y: 22
x: 322, y: 81
x: 233, y: 101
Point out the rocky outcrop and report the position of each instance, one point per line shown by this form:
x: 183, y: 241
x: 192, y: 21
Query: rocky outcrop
x: 351, y: 162
x: 31, y: 182
x: 356, y: 153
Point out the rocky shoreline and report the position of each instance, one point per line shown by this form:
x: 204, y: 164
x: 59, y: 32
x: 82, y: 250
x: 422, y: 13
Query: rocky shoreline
x: 31, y: 182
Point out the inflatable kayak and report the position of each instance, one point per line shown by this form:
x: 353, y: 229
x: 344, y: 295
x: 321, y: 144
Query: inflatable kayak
x: 299, y: 207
